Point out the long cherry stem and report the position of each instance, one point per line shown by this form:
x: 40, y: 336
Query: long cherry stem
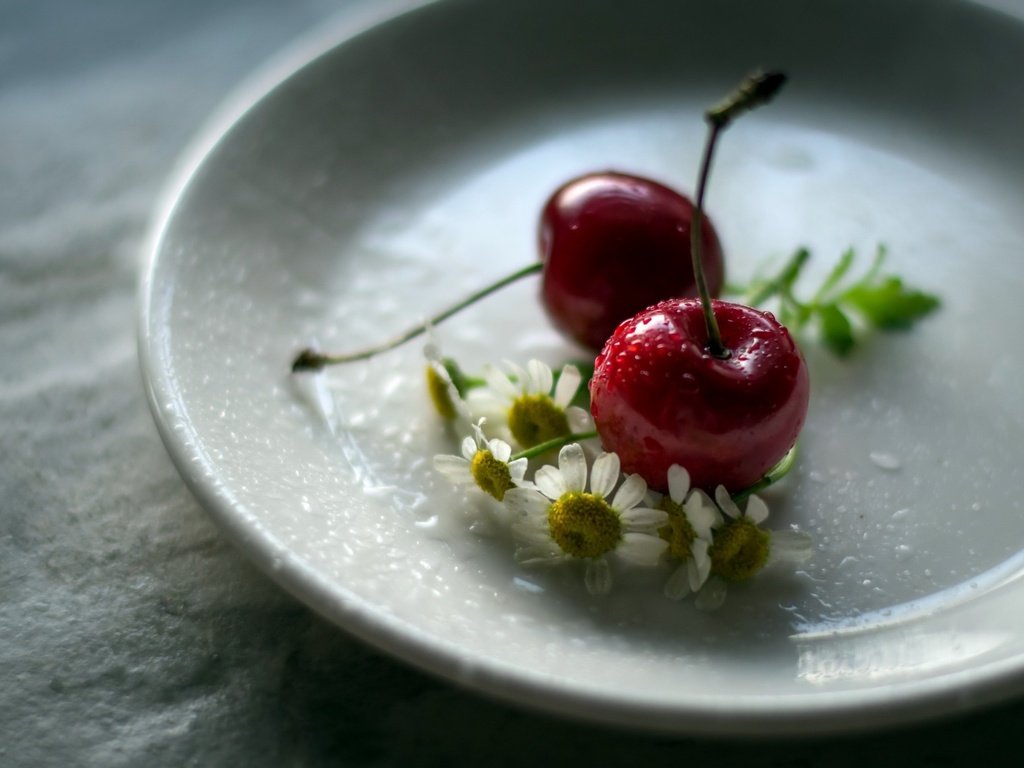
x: 312, y: 360
x: 755, y: 90
x: 715, y: 345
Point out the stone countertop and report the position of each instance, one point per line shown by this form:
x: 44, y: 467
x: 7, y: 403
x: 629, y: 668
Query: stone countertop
x: 131, y: 633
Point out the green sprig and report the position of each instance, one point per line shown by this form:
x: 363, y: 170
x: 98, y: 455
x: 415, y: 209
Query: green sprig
x: 877, y: 301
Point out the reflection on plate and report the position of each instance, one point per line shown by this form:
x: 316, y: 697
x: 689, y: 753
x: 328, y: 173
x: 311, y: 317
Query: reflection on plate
x: 405, y: 166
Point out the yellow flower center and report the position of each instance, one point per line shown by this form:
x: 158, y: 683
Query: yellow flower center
x: 491, y: 475
x: 678, y: 533
x: 739, y: 551
x: 584, y: 524
x: 440, y: 395
x: 535, y: 419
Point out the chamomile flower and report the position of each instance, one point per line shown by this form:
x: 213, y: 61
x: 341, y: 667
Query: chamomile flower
x: 484, y: 463
x: 559, y: 520
x: 741, y: 548
x: 692, y: 516
x: 445, y: 396
x: 531, y: 405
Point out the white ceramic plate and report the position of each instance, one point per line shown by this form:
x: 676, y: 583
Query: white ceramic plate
x: 378, y: 174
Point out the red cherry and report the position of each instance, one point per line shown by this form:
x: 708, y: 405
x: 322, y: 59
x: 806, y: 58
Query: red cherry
x: 659, y: 397
x: 613, y: 244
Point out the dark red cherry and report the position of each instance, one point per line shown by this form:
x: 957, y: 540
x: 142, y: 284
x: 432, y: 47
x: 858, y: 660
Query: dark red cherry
x: 659, y: 397
x: 614, y: 244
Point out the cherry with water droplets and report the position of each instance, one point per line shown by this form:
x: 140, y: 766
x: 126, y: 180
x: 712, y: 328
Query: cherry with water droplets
x: 660, y: 397
x: 716, y: 387
x: 613, y: 244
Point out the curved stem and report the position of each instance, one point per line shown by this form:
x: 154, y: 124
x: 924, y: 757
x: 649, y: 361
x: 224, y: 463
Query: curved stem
x: 312, y: 360
x: 773, y: 476
x: 715, y: 346
x: 755, y: 90
x: 550, y: 445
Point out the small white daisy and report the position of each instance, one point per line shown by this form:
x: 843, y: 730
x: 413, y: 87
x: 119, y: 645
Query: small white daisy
x: 561, y: 521
x: 741, y: 548
x: 441, y: 387
x: 692, y: 516
x: 529, y: 403
x: 485, y: 464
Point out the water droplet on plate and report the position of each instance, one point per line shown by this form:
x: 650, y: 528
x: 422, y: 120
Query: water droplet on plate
x: 886, y: 461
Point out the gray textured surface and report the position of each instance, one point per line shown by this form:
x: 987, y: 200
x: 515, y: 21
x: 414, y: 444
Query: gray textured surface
x: 130, y: 632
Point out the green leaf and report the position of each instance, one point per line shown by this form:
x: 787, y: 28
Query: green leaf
x: 835, y: 276
x: 836, y: 330
x: 890, y: 304
x: 793, y: 268
x: 760, y: 290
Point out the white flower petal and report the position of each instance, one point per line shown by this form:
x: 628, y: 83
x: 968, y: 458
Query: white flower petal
x: 699, y: 565
x: 678, y: 483
x: 678, y: 585
x: 757, y: 510
x: 432, y: 351
x: 486, y: 405
x: 605, y: 474
x: 643, y: 519
x: 517, y: 470
x: 725, y: 502
x: 517, y: 375
x: 790, y: 547
x: 499, y: 518
x: 712, y: 594
x: 532, y: 535
x: 641, y: 549
x: 455, y: 468
x: 568, y: 383
x: 539, y: 378
x: 526, y: 502
x: 499, y: 382
x: 598, y: 577
x: 630, y: 493
x: 579, y: 420
x: 550, y: 482
x: 468, y: 448
x: 573, y: 466
x: 499, y: 449
x: 537, y: 555
x: 702, y: 514
x: 539, y: 521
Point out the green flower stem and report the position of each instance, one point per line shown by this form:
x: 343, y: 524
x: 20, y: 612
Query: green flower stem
x: 775, y: 474
x: 312, y: 360
x: 550, y: 445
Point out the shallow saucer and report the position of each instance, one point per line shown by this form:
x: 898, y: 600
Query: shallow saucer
x: 399, y: 161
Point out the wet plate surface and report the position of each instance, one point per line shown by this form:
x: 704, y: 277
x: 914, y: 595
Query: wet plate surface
x: 397, y: 166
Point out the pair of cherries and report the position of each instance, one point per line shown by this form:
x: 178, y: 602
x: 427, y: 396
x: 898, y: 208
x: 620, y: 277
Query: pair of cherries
x: 618, y: 277
x: 629, y: 268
